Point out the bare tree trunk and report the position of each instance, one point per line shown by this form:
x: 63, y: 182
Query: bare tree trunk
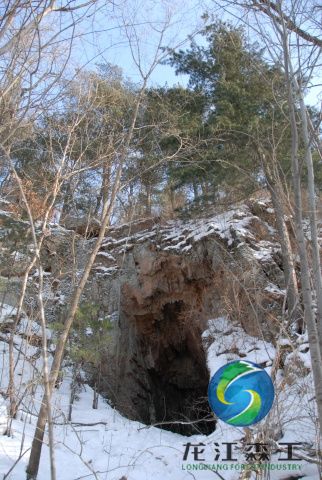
x: 33, y: 465
x: 11, y: 385
x: 195, y: 191
x: 68, y: 200
x: 205, y: 192
x: 309, y: 315
x: 148, y: 203
x: 172, y: 200
x: 47, y: 395
x: 312, y: 213
x: 103, y: 193
x: 36, y: 258
x: 96, y: 389
x: 72, y: 393
x: 34, y: 460
x: 292, y: 293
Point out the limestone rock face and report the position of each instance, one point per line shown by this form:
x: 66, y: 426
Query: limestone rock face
x: 160, y: 361
x: 160, y: 283
x: 82, y: 225
x: 163, y: 284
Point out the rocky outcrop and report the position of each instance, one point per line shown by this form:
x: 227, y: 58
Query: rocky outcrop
x: 160, y: 283
x: 159, y: 361
x: 87, y: 227
x: 163, y: 285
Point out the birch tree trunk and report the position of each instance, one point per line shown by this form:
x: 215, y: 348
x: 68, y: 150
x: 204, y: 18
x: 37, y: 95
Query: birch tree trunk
x: 312, y: 212
x: 309, y: 314
x: 34, y: 460
x: 292, y: 293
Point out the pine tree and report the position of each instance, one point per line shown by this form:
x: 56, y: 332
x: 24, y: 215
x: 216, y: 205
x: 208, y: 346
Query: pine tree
x: 238, y: 89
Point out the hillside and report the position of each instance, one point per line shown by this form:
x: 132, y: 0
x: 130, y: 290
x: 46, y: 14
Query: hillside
x: 182, y: 299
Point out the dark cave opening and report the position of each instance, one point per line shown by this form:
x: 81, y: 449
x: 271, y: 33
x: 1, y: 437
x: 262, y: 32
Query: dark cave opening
x: 159, y: 374
x: 171, y: 311
x: 181, y: 410
x: 178, y: 381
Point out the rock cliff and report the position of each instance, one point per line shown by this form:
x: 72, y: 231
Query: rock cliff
x: 163, y: 283
x: 160, y: 283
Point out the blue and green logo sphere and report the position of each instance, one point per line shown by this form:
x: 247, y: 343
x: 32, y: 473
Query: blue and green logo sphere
x: 241, y: 393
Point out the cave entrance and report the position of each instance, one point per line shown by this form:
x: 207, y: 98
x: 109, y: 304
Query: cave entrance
x: 180, y: 409
x: 158, y: 375
x: 178, y: 380
x: 171, y: 312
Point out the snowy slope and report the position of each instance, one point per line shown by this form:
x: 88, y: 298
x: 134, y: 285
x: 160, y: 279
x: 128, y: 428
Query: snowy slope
x: 102, y: 444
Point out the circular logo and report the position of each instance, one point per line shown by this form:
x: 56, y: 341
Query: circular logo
x: 241, y: 393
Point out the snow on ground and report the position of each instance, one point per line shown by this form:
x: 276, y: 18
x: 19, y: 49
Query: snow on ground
x: 7, y: 312
x: 230, y: 343
x: 102, y: 444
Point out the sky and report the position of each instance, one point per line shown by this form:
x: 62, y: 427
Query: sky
x: 109, y: 42
x: 106, y: 38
